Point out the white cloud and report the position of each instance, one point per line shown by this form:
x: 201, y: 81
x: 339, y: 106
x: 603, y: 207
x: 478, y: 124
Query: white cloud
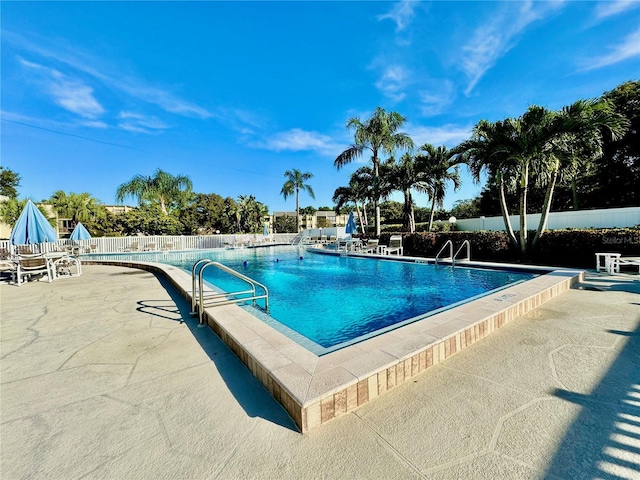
x: 135, y: 122
x: 628, y: 48
x: 495, y: 38
x: 111, y: 78
x: 401, y: 14
x: 449, y: 135
x: 394, y: 80
x: 70, y: 93
x: 297, y: 140
x: 608, y: 9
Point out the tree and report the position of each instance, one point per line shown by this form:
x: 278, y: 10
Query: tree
x: 469, y: 208
x: 163, y: 188
x: 577, y: 138
x: 378, y: 134
x: 408, y: 175
x: 9, y: 182
x: 296, y: 182
x: 440, y: 165
x: 79, y: 207
x: 11, y: 209
x: 249, y: 214
x: 359, y: 192
x: 284, y: 224
x: 537, y: 145
x: 206, y: 212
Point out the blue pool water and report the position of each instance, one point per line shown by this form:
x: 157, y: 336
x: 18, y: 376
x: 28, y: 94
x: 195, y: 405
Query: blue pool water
x: 334, y: 300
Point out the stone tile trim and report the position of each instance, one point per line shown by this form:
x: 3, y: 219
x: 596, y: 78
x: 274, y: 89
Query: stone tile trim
x: 310, y: 411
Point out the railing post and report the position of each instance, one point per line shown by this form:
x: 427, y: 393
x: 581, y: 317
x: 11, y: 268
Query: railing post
x: 193, y: 285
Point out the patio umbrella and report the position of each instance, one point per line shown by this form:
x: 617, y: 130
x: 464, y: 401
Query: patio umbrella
x: 32, y: 227
x: 265, y: 232
x: 351, y: 224
x: 80, y: 233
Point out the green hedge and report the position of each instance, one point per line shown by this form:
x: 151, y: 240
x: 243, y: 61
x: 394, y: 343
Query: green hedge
x: 562, y: 248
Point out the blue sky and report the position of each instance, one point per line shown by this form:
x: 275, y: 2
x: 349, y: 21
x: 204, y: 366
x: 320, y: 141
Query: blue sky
x: 233, y: 94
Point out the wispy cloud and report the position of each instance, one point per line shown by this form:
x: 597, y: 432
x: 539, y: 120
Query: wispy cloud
x: 297, y: 140
x: 393, y: 81
x: 136, y: 122
x: 109, y: 77
x: 70, y: 93
x: 401, y: 14
x: 608, y: 9
x: 435, y: 96
x: 449, y: 135
x: 495, y: 38
x: 628, y: 48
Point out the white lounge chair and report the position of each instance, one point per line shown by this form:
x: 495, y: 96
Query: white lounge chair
x: 395, y: 245
x: 616, y: 262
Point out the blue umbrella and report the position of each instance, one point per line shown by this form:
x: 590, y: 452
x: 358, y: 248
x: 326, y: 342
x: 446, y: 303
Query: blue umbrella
x: 80, y: 233
x: 32, y: 227
x: 351, y: 224
x: 265, y: 232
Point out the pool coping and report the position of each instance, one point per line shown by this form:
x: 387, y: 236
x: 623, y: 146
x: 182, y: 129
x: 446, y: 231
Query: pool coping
x: 315, y: 389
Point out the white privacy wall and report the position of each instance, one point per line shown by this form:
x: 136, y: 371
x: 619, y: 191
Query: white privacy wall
x: 603, y: 218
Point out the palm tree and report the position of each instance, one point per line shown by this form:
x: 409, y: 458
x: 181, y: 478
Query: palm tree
x: 295, y: 182
x: 576, y: 146
x: 162, y: 188
x: 408, y: 175
x: 378, y: 134
x: 437, y: 165
x: 79, y: 207
x: 541, y: 145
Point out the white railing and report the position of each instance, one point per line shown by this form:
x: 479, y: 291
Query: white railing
x: 162, y: 242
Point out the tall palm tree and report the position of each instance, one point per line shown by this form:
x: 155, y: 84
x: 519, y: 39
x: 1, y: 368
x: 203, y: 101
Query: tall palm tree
x: 576, y: 145
x: 540, y: 145
x: 378, y: 134
x: 163, y: 188
x: 437, y: 165
x: 296, y: 182
x: 408, y: 175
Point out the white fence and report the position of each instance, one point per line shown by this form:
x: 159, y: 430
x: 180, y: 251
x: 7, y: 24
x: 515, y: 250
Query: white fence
x: 603, y: 218
x: 165, y: 242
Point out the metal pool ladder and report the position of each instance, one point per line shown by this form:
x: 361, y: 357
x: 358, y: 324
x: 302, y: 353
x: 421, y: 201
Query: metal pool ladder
x: 468, y: 257
x: 449, y: 244
x: 200, y: 302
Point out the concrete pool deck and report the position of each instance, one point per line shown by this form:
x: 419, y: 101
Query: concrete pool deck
x: 99, y: 379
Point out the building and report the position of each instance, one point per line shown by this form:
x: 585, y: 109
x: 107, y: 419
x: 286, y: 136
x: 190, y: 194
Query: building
x: 320, y: 219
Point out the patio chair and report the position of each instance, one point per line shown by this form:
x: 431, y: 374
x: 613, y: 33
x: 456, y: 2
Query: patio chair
x: 395, y: 245
x: 93, y: 248
x: 62, y: 267
x: 617, y: 262
x: 168, y: 246
x: 25, y: 250
x: 371, y: 246
x: 133, y: 247
x: 149, y: 247
x: 28, y: 265
x: 8, y: 266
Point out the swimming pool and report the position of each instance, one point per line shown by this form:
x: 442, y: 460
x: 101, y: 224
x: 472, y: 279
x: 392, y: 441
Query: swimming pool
x: 326, y: 302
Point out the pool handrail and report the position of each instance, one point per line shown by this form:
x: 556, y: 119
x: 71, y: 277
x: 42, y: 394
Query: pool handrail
x: 468, y: 257
x: 450, y: 244
x: 194, y: 297
x: 230, y: 271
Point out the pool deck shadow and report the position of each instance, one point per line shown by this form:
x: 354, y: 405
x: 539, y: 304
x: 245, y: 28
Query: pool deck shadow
x: 245, y: 388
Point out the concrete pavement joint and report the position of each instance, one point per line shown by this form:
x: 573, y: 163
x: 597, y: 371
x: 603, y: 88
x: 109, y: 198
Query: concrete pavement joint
x: 233, y: 451
x: 88, y: 345
x: 485, y: 379
x: 393, y: 450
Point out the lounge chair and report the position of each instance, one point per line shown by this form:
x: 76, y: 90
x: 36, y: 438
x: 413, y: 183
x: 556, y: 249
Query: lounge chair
x: 371, y: 246
x: 28, y: 265
x: 8, y: 266
x: 133, y: 247
x: 149, y: 247
x: 395, y: 245
x: 168, y: 246
x: 617, y: 262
